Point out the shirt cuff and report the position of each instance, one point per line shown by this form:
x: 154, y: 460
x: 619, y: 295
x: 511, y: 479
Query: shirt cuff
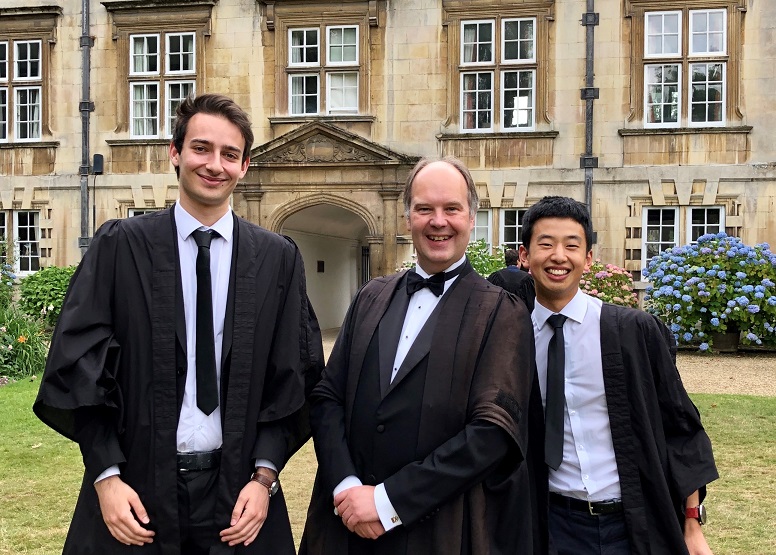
x: 108, y: 472
x: 266, y: 463
x: 347, y: 483
x: 388, y: 517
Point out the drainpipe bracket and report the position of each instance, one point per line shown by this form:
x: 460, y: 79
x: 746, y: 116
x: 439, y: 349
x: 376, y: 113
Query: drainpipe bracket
x: 588, y: 161
x: 86, y: 41
x: 589, y: 93
x: 86, y: 106
x: 590, y: 18
x: 83, y: 242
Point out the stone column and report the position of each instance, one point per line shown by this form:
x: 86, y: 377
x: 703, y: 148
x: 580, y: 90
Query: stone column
x: 253, y: 204
x: 390, y: 199
x: 376, y: 262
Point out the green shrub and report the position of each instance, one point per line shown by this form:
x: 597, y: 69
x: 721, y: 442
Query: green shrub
x: 610, y: 283
x: 7, y: 276
x: 484, y: 259
x: 43, y: 293
x: 23, y: 344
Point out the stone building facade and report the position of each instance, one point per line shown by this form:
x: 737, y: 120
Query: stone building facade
x: 658, y: 115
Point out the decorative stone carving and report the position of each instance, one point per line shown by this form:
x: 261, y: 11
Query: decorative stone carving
x: 321, y: 148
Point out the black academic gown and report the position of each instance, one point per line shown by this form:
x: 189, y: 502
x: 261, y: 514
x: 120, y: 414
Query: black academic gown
x: 662, y: 451
x: 517, y: 282
x: 119, y: 349
x: 465, y: 386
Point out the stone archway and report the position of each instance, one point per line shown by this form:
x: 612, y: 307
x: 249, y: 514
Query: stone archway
x: 333, y: 240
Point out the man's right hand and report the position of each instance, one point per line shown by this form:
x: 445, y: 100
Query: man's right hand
x: 117, y: 501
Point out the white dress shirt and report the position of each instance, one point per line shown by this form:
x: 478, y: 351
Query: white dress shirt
x: 589, y: 469
x: 422, y: 304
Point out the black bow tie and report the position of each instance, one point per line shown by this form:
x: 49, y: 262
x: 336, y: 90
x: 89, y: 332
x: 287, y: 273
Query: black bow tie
x: 435, y: 283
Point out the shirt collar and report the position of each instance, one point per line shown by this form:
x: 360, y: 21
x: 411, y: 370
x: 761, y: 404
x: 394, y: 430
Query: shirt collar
x: 186, y: 223
x: 574, y: 310
x: 453, y: 266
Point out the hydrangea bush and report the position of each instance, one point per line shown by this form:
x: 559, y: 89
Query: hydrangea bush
x: 610, y: 283
x: 718, y: 284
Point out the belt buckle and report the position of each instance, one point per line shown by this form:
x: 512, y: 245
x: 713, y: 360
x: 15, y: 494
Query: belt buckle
x: 591, y: 510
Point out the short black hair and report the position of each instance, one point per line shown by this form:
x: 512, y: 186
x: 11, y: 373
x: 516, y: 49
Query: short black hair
x: 557, y: 207
x: 214, y: 105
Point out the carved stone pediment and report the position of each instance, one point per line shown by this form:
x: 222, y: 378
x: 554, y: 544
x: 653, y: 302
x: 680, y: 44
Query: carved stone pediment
x: 320, y: 143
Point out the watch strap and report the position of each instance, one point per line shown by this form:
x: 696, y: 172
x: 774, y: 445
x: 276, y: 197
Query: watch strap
x: 265, y: 481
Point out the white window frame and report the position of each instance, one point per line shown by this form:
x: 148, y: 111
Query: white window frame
x: 478, y: 22
x: 647, y: 105
x: 146, y: 55
x: 476, y: 109
x: 344, y: 109
x: 329, y: 46
x: 518, y: 228
x: 531, y: 108
x: 304, y: 94
x: 663, y: 34
x: 17, y: 114
x: 16, y: 77
x: 168, y: 103
x: 131, y: 212
x: 132, y: 115
x: 482, y: 231
x: 304, y: 47
x: 690, y: 225
x: 519, y: 21
x: 3, y: 230
x: 644, y: 231
x: 696, y: 13
x: 18, y: 242
x: 722, y: 102
x: 181, y: 55
x: 3, y: 114
x: 4, y: 62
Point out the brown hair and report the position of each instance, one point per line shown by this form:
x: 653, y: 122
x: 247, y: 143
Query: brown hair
x: 216, y: 105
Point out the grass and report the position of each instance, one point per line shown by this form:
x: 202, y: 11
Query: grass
x: 40, y: 475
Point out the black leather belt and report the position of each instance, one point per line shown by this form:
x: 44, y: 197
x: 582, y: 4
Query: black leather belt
x: 206, y: 460
x: 595, y: 508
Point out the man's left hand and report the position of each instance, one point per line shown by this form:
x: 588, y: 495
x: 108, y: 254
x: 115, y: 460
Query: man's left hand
x: 693, y: 537
x: 248, y: 515
x: 357, y: 505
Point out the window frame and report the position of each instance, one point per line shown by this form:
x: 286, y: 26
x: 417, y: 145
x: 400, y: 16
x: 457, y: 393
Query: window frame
x: 343, y: 63
x: 345, y: 110
x: 478, y: 22
x: 488, y: 227
x: 39, y: 76
x: 304, y: 94
x: 145, y: 100
x: 679, y: 105
x: 532, y: 108
x: 4, y: 75
x: 169, y: 111
x: 690, y: 88
x: 689, y: 225
x: 490, y: 110
x: 18, y: 123
x: 132, y: 71
x: 709, y: 53
x: 4, y: 124
x: 193, y: 53
x: 519, y: 215
x: 644, y: 231
x: 18, y: 257
x: 291, y: 31
x: 662, y: 55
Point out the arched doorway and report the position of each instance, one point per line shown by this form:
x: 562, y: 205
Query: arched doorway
x: 333, y: 243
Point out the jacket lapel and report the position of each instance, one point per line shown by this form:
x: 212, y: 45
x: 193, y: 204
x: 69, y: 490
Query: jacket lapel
x: 388, y: 334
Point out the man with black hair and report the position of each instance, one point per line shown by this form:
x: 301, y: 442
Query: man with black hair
x: 514, y: 279
x: 627, y: 457
x: 181, y: 363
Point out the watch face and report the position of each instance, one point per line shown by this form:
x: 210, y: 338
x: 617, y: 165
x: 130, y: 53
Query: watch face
x: 273, y: 488
x: 702, y: 514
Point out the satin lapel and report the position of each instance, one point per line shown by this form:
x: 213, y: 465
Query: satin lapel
x: 180, y: 312
x: 388, y: 334
x: 372, y: 305
x: 426, y: 338
x: 226, y: 342
x: 161, y: 237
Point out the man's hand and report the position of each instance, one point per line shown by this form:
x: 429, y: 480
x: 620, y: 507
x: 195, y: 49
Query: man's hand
x: 248, y: 515
x: 117, y: 501
x: 369, y: 530
x: 357, y: 506
x: 693, y: 537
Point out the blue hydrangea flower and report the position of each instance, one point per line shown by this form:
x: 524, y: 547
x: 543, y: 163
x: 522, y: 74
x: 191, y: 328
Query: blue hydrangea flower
x: 703, y: 346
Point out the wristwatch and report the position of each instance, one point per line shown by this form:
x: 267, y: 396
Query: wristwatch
x: 698, y: 513
x: 271, y: 485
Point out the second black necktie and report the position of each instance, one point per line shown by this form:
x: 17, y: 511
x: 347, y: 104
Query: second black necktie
x: 555, y: 394
x: 207, y: 385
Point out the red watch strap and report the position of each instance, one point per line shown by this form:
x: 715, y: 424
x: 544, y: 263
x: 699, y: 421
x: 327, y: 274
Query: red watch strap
x: 692, y: 512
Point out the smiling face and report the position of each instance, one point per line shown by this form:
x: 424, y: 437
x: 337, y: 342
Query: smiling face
x: 210, y: 164
x: 557, y: 257
x: 439, y: 216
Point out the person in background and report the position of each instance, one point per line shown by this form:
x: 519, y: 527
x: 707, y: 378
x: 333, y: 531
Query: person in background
x: 627, y: 456
x: 420, y: 421
x: 181, y: 362
x: 514, y: 279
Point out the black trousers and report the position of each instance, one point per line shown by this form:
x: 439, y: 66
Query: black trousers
x: 196, y: 511
x: 576, y: 532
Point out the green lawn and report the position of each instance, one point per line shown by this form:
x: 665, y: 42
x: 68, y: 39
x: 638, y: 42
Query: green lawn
x: 40, y: 474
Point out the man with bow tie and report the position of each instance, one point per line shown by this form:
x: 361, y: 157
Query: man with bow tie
x: 421, y: 418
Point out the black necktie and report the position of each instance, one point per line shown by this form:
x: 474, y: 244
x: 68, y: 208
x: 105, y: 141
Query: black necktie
x: 556, y: 396
x: 435, y: 283
x: 207, y: 386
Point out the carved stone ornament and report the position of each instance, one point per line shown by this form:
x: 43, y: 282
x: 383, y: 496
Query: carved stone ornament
x: 320, y: 148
